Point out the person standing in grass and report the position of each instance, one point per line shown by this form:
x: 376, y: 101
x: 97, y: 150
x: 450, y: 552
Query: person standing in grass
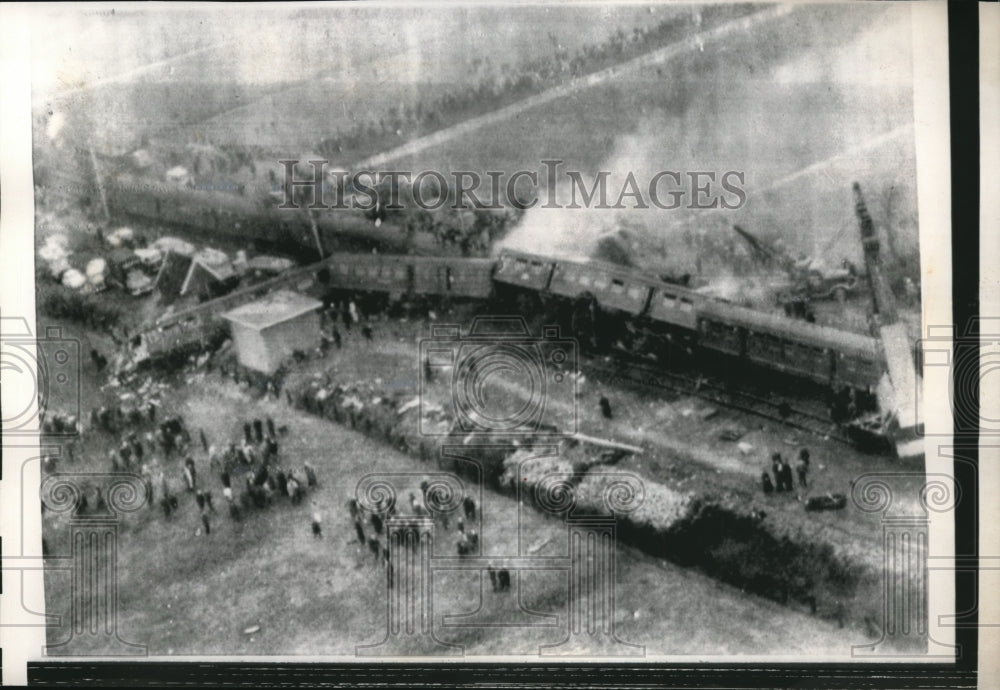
x: 776, y: 464
x: 469, y: 508
x: 317, y: 522
x: 503, y: 580
x: 205, y: 521
x: 605, y: 407
x: 189, y: 474
x: 292, y: 486
x: 376, y: 521
x: 766, y: 484
x: 803, y: 468
x: 786, y: 477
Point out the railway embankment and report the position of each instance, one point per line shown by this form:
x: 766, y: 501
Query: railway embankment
x: 721, y: 535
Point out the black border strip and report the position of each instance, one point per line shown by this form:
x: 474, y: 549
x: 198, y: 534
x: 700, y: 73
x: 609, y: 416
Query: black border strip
x: 963, y: 32
x: 494, y: 675
x: 963, y: 54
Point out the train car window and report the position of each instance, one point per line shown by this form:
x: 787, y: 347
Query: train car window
x: 764, y: 343
x: 373, y: 271
x: 585, y: 280
x: 803, y: 354
x: 776, y: 346
x: 342, y: 268
x: 400, y: 273
x: 601, y: 282
x: 669, y: 301
x: 636, y: 292
x: 686, y: 305
x: 617, y: 286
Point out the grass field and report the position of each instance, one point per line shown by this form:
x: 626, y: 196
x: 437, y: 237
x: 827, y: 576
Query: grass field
x: 299, y: 75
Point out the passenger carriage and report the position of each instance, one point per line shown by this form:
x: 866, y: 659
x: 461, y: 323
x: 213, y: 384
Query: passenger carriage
x: 523, y: 270
x: 614, y: 287
x: 828, y: 356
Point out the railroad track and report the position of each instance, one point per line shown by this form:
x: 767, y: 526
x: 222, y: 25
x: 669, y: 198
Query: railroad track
x: 781, y: 410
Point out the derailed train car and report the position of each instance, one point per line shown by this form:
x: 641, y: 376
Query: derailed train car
x: 668, y: 316
x: 826, y: 356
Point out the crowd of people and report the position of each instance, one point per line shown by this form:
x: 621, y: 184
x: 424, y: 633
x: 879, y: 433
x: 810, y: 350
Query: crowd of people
x: 250, y: 470
x: 253, y: 475
x: 780, y: 478
x: 371, y: 529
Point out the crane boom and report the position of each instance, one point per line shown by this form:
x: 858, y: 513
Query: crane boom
x: 883, y: 301
x: 901, y: 400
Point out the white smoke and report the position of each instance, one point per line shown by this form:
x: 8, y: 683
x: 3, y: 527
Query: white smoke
x: 650, y: 236
x: 817, y: 116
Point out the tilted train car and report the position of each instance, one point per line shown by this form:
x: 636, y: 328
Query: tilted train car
x: 832, y: 358
x: 614, y: 287
x: 676, y: 306
x: 827, y: 356
x: 523, y: 270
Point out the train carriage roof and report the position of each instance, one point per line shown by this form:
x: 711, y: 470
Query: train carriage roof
x: 629, y: 273
x: 518, y: 254
x: 799, y: 331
